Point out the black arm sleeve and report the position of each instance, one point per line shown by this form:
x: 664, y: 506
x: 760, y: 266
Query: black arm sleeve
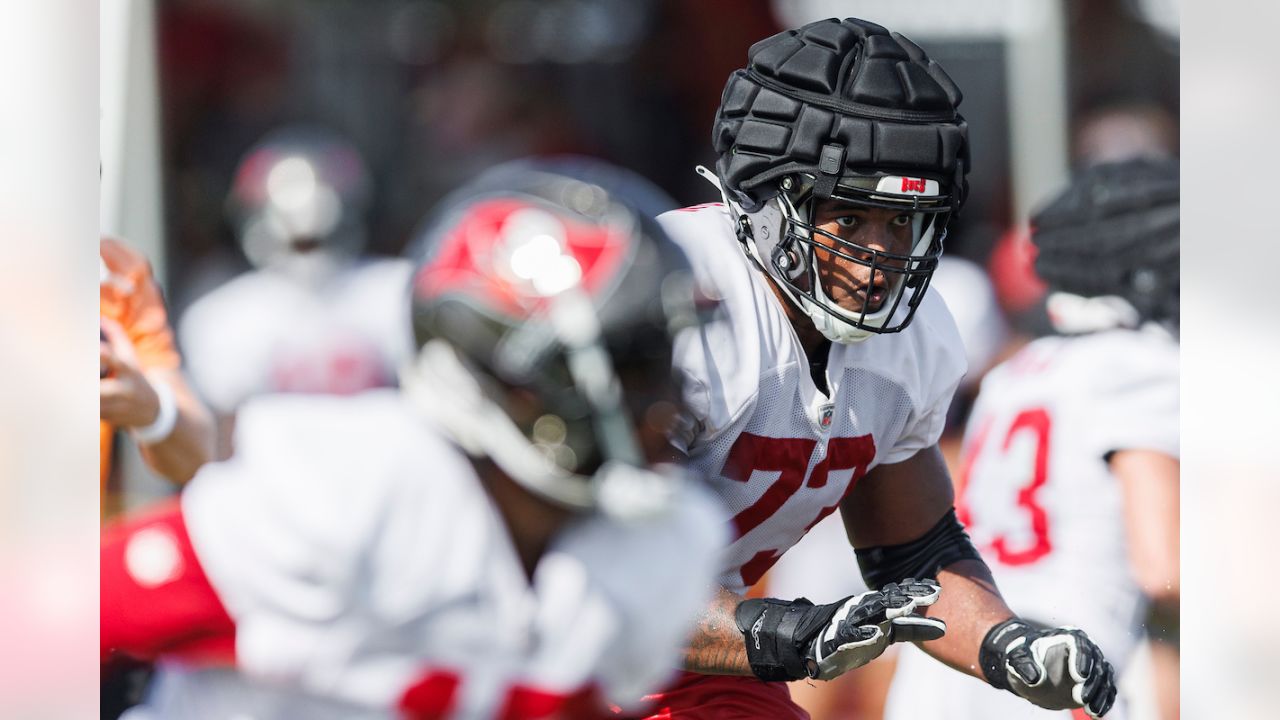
x: 946, y: 542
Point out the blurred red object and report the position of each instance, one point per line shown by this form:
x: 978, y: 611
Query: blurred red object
x: 1012, y: 269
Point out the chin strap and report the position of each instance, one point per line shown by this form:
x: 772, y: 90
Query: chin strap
x: 741, y: 223
x: 746, y: 236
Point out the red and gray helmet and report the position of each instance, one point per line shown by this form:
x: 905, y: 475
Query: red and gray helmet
x: 545, y: 303
x: 841, y: 110
x: 300, y: 189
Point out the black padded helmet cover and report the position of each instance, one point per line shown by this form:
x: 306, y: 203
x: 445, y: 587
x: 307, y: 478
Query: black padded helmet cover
x: 1114, y: 231
x: 836, y: 97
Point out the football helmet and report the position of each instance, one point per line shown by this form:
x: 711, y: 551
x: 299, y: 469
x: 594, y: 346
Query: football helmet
x: 298, y: 201
x: 1108, y: 247
x: 841, y: 111
x: 545, y: 302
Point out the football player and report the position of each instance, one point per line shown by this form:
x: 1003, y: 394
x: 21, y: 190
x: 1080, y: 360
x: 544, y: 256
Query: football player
x: 315, y: 315
x: 503, y: 536
x: 1070, y: 477
x: 841, y: 157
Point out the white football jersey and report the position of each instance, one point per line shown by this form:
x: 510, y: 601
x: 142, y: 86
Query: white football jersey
x: 265, y: 332
x: 1040, y: 503
x: 780, y: 453
x: 358, y: 554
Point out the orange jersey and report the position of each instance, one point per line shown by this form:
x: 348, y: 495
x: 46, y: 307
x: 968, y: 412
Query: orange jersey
x: 131, y: 307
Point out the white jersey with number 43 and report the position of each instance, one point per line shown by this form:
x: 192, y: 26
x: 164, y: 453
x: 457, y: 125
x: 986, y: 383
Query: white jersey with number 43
x: 1040, y: 503
x: 365, y: 566
x: 780, y: 453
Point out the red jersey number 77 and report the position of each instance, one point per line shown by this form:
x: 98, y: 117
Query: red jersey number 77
x: 790, y: 458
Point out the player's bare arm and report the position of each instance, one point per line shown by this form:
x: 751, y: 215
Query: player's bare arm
x: 175, y: 433
x: 1149, y: 483
x: 900, y: 518
x: 716, y: 646
x: 899, y: 503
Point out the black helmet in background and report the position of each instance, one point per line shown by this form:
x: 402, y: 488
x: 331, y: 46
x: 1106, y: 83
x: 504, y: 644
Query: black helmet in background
x: 1108, y: 246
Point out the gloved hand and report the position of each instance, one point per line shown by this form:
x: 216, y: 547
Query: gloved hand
x: 1056, y: 669
x: 794, y: 639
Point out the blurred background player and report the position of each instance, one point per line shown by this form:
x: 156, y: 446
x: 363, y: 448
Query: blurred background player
x: 1071, y: 466
x: 503, y: 537
x: 842, y: 157
x: 142, y: 388
x: 314, y: 315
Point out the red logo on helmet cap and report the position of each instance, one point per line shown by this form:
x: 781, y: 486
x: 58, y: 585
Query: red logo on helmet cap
x: 912, y: 184
x: 471, y: 255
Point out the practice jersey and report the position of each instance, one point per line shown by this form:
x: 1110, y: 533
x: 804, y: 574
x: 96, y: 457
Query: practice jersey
x: 780, y: 453
x: 359, y: 557
x: 1040, y: 503
x: 266, y: 332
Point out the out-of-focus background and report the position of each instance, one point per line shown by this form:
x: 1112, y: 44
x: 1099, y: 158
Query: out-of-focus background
x: 430, y: 92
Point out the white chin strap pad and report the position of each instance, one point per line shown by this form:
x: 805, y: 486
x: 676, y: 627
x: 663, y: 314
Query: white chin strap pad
x: 832, y: 328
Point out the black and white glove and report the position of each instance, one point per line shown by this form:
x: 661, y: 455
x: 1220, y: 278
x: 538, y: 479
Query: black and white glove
x: 794, y: 639
x: 1057, y: 669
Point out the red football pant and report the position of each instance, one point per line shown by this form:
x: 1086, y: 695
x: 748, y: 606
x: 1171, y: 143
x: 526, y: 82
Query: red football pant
x: 724, y: 697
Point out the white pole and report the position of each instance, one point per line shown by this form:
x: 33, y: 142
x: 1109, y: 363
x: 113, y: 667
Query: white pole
x: 129, y: 128
x: 1036, y: 75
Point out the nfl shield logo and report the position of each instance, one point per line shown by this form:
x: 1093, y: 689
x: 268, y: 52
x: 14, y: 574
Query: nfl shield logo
x: 824, y: 416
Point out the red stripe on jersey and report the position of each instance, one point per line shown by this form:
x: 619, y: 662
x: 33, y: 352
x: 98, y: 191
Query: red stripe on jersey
x: 156, y: 599
x: 432, y: 697
x: 530, y: 703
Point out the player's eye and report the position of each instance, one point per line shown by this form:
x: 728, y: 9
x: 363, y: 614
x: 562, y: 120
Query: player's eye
x: 847, y: 221
x: 902, y: 220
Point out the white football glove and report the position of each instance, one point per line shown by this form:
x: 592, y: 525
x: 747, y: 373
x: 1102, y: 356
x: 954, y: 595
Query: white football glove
x: 865, y: 625
x: 794, y: 639
x: 1056, y: 669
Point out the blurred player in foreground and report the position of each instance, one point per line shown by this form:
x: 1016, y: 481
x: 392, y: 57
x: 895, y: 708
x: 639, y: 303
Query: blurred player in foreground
x: 502, y: 537
x: 841, y: 158
x: 141, y: 387
x: 1070, y: 487
x: 314, y: 315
